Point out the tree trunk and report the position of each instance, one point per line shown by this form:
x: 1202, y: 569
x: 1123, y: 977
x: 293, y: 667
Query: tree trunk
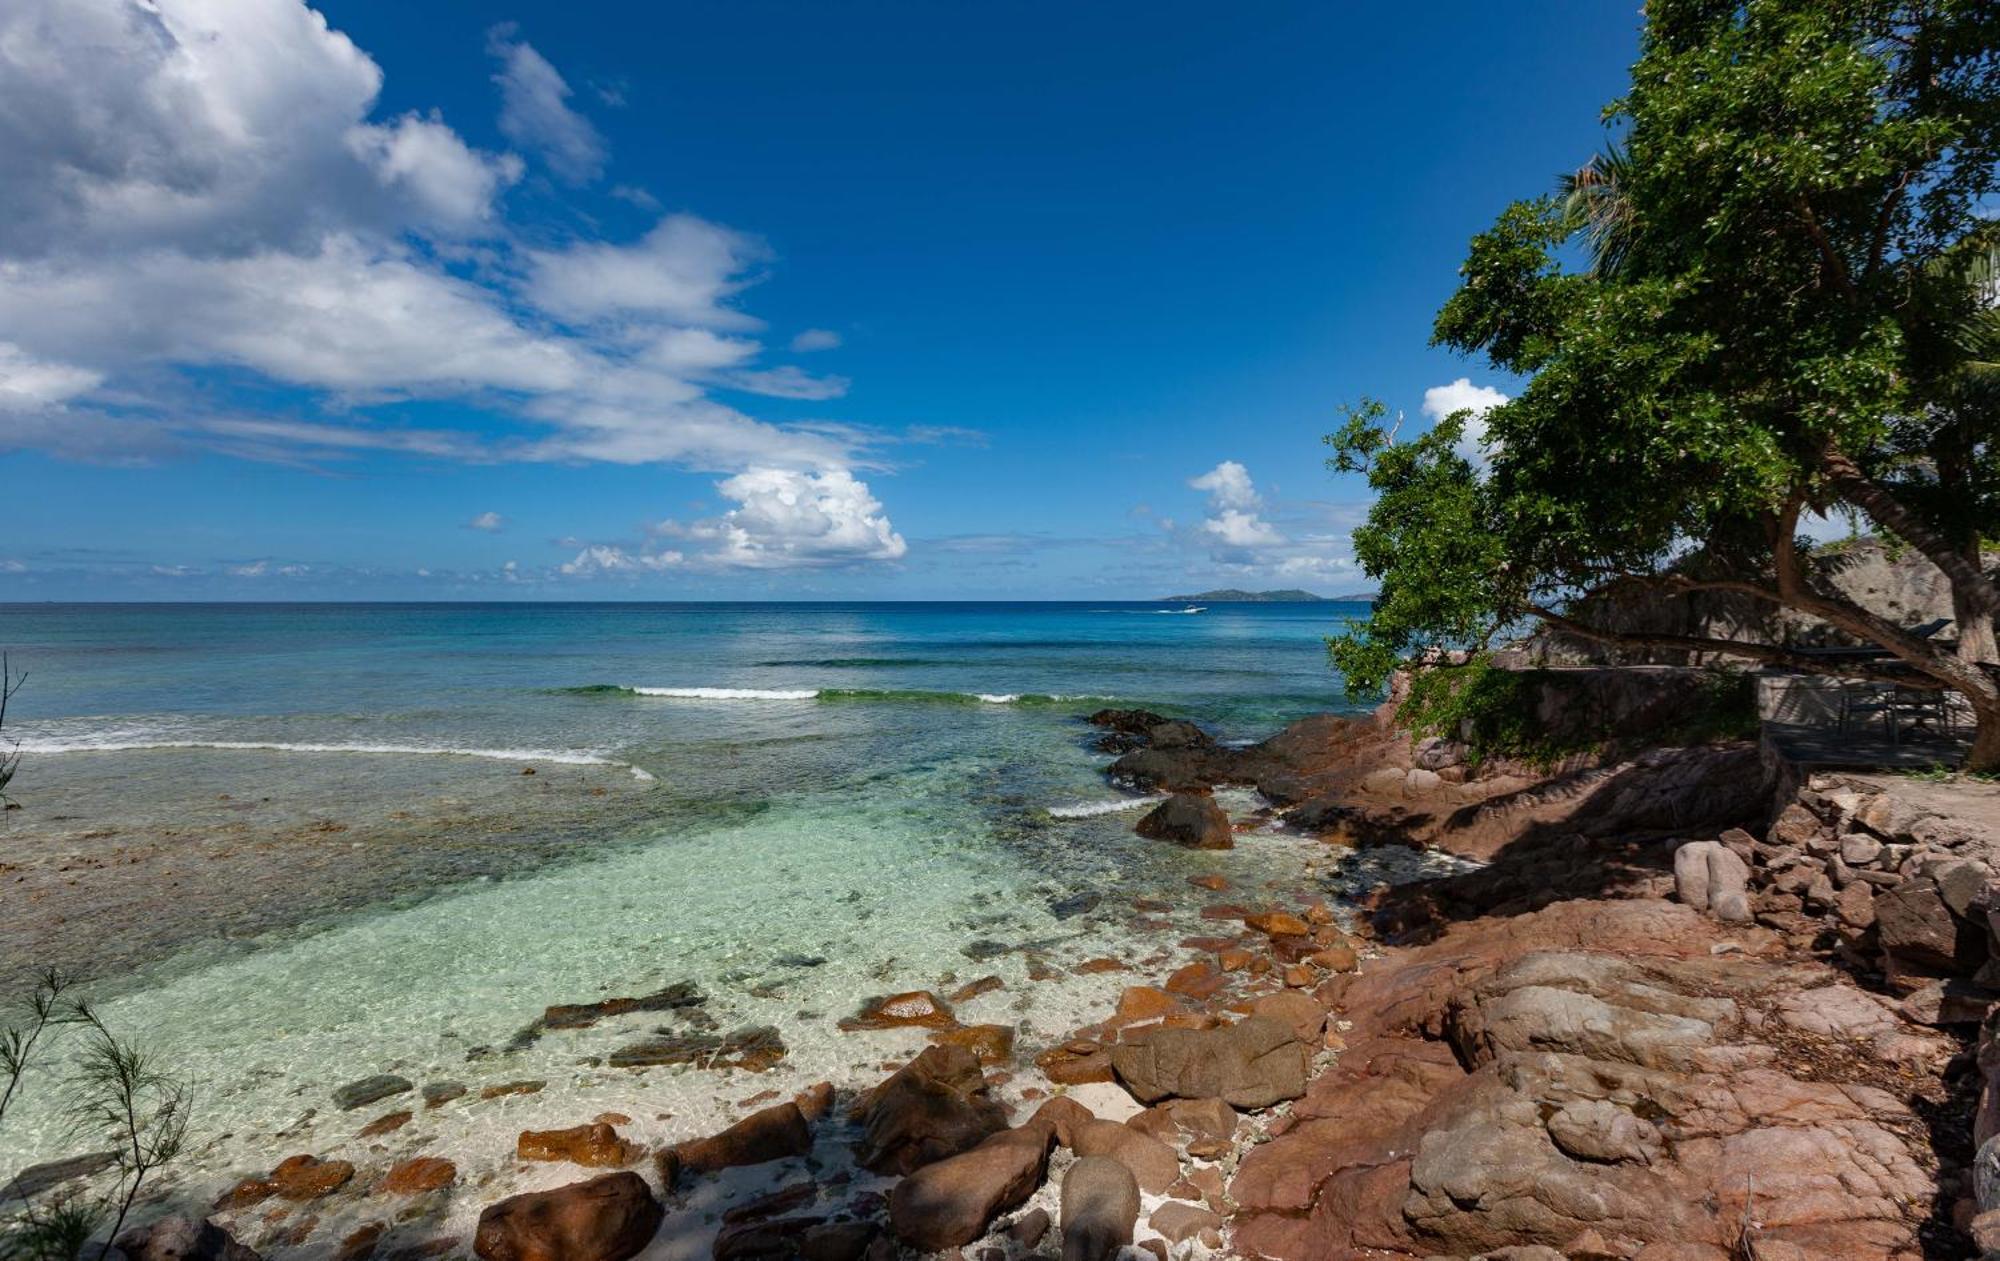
x: 1985, y: 753
x: 1975, y: 624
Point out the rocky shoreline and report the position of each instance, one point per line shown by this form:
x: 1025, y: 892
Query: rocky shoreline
x: 1690, y: 1005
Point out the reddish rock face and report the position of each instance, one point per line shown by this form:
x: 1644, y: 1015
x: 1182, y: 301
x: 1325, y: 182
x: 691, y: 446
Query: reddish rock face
x: 606, y: 1219
x: 919, y: 1008
x: 771, y: 1134
x: 418, y: 1175
x: 594, y: 1146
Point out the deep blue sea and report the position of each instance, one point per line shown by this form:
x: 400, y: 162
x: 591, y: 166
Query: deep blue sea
x: 793, y: 806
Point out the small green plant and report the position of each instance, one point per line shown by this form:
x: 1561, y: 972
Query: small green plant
x: 116, y: 1091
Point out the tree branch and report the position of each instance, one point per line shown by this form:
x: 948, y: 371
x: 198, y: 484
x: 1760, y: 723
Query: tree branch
x: 1834, y: 265
x: 1887, y: 511
x: 1769, y: 654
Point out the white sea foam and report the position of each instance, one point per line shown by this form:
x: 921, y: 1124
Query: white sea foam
x: 729, y: 693
x: 1092, y: 809
x: 128, y: 744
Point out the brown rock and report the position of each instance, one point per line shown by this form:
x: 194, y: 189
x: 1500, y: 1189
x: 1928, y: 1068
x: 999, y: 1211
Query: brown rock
x: 949, y: 1203
x: 1305, y: 1016
x: 512, y: 1088
x: 384, y: 1124
x: 1069, y: 1067
x: 359, y: 1245
x: 1092, y: 967
x: 1252, y: 1064
x: 770, y: 1134
x: 1191, y: 820
x: 1100, y: 1206
x: 1198, y: 980
x: 1214, y: 884
x: 1177, y: 1221
x: 933, y: 1107
x: 1339, y: 957
x: 1279, y: 924
x: 1027, y: 1230
x: 605, y: 1219
x: 836, y: 1241
x: 309, y: 1178
x: 418, y: 1175
x: 1145, y: 1002
x: 1153, y: 1163
x: 1064, y: 1117
x: 1233, y: 958
x: 973, y: 989
x: 594, y: 1146
x: 815, y: 1101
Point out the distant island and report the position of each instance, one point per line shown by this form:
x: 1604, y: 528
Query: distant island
x: 1230, y: 595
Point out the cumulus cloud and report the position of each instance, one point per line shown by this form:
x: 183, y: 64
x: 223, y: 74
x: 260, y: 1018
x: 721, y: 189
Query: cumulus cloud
x: 1234, y: 530
x: 791, y: 519
x: 1228, y: 485
x: 1462, y: 395
x: 192, y: 184
x: 601, y: 559
x: 816, y: 339
x: 488, y: 521
x: 535, y: 112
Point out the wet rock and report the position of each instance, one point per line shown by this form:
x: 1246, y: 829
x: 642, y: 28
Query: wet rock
x: 1100, y: 1206
x: 594, y: 1146
x: 918, y: 1008
x: 1189, y: 820
x: 933, y: 1107
x: 773, y: 1133
x: 359, y: 1244
x: 439, y: 1093
x: 502, y: 1090
x: 178, y: 1238
x: 309, y: 1178
x: 1074, y: 905
x: 605, y: 1219
x: 370, y: 1089
x: 973, y: 989
x: 993, y: 1044
x: 950, y: 1202
x: 1278, y: 924
x: 676, y: 997
x: 385, y: 1124
x: 418, y: 1175
x: 755, y: 1049
x: 1252, y: 1064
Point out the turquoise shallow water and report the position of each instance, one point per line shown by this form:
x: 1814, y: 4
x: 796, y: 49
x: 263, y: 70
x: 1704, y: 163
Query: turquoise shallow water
x: 904, y: 793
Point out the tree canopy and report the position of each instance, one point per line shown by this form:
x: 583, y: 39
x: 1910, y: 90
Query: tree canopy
x: 1774, y: 296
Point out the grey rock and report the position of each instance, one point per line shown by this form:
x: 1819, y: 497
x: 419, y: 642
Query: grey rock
x: 1251, y: 1064
x: 1597, y: 1129
x: 1859, y: 849
x: 179, y: 1238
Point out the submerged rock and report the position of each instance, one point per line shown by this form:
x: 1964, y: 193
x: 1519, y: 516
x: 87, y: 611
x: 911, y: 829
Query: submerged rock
x: 605, y: 1219
x: 595, y: 1146
x: 919, y: 1008
x: 370, y: 1089
x: 1190, y: 820
x: 755, y: 1049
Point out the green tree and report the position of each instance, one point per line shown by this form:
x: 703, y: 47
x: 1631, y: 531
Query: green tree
x: 1782, y: 311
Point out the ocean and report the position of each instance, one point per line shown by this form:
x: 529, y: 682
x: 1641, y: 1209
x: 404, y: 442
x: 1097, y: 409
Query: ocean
x: 297, y: 845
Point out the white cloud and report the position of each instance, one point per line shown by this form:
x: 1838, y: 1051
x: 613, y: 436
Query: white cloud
x: 601, y: 559
x: 682, y: 270
x: 535, y: 112
x: 1228, y: 486
x: 815, y: 339
x: 488, y: 521
x: 1441, y: 401
x: 27, y: 382
x: 788, y: 519
x: 198, y: 184
x: 1238, y: 529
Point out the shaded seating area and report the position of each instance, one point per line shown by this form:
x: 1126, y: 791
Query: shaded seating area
x: 1830, y: 721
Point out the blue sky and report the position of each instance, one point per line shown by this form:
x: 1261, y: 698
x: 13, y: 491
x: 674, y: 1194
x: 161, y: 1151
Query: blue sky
x: 755, y: 300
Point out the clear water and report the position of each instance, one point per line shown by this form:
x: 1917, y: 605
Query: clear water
x: 723, y: 792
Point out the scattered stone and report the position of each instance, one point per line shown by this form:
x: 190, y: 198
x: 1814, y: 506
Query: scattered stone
x: 1177, y: 1221
x: 973, y: 989
x: 504, y: 1089
x: 370, y: 1089
x: 1153, y: 1164
x: 35, y: 1179
x: 384, y: 1124
x: 1074, y: 905
x: 1708, y: 876
x: 1214, y: 884
x: 993, y: 1044
x: 360, y: 1243
x: 1027, y: 1230
x: 439, y: 1093
x: 309, y: 1178
x: 1278, y: 924
x: 605, y: 1219
x: 1100, y: 1206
